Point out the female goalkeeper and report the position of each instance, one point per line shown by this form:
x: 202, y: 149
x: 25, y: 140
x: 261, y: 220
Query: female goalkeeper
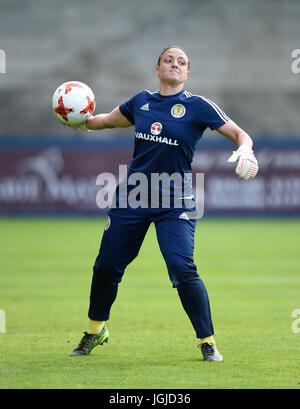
x: 168, y: 124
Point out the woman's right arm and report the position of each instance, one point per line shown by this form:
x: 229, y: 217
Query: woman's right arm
x: 112, y: 120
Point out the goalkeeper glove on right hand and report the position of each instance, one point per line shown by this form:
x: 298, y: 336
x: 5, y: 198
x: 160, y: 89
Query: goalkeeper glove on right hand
x: 83, y: 127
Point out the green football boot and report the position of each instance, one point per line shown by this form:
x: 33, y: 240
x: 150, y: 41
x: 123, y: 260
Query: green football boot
x: 90, y: 341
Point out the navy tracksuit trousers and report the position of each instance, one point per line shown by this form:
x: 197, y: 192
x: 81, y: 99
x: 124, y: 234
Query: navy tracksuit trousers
x: 120, y: 244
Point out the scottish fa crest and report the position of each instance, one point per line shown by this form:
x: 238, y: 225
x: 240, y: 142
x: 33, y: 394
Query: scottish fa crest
x: 178, y: 111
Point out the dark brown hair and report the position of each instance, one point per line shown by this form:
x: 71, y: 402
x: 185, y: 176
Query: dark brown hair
x: 173, y: 46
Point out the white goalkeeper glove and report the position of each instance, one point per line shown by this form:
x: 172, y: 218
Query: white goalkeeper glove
x: 247, y: 166
x: 83, y: 127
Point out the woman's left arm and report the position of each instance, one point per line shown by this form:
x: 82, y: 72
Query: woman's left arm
x: 233, y: 132
x: 247, y: 166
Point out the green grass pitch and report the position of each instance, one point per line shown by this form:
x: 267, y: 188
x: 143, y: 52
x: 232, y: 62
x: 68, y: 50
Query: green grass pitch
x: 251, y: 270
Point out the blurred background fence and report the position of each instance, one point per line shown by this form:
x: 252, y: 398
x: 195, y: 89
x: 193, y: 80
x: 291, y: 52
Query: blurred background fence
x: 241, y: 58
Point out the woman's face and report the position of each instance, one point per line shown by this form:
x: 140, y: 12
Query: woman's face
x: 173, y: 67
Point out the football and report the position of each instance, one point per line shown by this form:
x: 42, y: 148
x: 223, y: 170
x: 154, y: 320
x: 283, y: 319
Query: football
x: 73, y: 102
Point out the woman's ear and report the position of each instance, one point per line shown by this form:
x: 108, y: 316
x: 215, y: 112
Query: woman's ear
x: 157, y: 70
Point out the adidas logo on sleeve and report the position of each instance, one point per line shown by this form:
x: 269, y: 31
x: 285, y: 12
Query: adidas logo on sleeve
x: 145, y: 107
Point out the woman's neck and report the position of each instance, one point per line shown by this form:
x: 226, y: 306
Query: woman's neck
x: 167, y: 89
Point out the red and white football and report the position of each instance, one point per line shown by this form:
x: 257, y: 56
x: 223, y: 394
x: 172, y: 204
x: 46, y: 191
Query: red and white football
x: 73, y: 103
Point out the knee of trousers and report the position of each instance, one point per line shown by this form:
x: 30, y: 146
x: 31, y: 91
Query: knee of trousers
x: 107, y: 272
x: 182, y: 274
